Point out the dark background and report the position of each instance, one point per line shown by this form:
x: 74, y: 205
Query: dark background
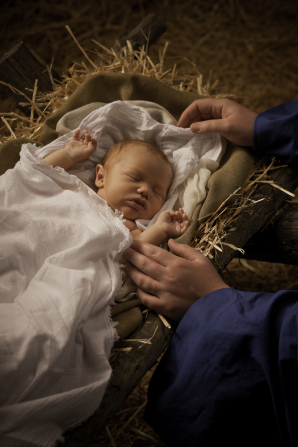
x: 249, y: 46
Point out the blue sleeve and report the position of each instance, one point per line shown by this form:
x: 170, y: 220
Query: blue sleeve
x: 230, y: 374
x: 276, y: 133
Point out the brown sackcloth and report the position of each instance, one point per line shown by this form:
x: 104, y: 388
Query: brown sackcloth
x: 108, y: 87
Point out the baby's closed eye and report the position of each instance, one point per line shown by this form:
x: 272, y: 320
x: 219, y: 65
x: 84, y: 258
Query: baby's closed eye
x: 158, y: 193
x: 136, y: 179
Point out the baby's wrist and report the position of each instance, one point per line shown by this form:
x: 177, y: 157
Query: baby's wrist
x: 160, y: 228
x: 70, y: 159
x: 59, y: 158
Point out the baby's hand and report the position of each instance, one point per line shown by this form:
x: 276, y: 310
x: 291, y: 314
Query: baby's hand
x: 80, y: 148
x: 174, y: 223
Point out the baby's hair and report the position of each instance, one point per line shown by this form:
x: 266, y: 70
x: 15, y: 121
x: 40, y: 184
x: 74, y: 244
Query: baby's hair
x: 119, y: 150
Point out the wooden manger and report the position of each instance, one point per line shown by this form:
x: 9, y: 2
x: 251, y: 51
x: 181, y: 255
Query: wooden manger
x: 147, y: 343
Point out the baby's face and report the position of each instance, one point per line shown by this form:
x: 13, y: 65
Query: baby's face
x: 137, y: 185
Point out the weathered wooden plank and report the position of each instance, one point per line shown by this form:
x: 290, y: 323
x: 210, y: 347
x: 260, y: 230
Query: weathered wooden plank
x: 146, y: 33
x: 254, y: 218
x: 20, y: 68
x: 278, y: 242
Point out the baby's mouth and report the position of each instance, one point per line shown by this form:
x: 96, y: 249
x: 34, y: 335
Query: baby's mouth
x: 138, y: 204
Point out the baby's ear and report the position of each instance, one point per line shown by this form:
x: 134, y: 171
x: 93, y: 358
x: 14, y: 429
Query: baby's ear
x: 100, y: 174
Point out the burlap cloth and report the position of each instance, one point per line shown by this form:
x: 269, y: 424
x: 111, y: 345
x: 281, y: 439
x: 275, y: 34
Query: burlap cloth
x: 108, y: 87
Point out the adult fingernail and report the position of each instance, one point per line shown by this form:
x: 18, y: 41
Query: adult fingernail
x: 127, y: 266
x: 195, y: 128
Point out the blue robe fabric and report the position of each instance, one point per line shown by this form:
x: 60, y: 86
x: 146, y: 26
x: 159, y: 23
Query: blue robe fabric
x: 276, y: 133
x: 230, y: 374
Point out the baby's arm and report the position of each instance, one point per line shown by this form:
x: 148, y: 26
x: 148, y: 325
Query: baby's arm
x: 76, y: 150
x: 169, y: 224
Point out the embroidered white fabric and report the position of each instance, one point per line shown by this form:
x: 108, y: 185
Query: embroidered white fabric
x: 60, y: 243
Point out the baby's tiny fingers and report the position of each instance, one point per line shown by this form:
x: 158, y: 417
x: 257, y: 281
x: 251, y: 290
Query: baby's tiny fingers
x: 178, y: 216
x: 91, y: 146
x: 76, y: 134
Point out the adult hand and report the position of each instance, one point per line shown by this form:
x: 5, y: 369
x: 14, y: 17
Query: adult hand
x: 167, y: 283
x: 228, y: 118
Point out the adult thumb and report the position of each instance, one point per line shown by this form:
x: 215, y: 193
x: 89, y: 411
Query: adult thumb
x: 209, y: 126
x: 184, y: 251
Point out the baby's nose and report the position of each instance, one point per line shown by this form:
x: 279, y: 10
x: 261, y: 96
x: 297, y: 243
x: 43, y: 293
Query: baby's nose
x: 144, y: 190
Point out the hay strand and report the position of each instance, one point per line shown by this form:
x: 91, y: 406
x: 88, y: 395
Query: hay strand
x: 9, y: 128
x: 165, y: 322
x: 278, y: 187
x: 144, y: 341
x: 111, y: 437
x: 33, y: 100
x: 83, y: 51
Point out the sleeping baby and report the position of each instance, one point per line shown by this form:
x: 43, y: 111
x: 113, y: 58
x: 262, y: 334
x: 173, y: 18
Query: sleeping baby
x: 134, y: 178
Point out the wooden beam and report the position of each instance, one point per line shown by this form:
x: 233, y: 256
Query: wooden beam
x: 144, y: 34
x: 20, y: 68
x: 253, y: 219
x: 278, y: 242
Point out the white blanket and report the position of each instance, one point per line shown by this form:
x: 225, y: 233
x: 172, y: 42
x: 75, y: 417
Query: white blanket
x: 59, y: 273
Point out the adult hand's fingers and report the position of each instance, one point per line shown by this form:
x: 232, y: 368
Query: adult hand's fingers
x: 201, y: 109
x: 150, y: 301
x: 185, y: 251
x: 149, y: 251
x: 221, y: 126
x: 142, y: 280
x: 144, y: 264
x: 224, y: 116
